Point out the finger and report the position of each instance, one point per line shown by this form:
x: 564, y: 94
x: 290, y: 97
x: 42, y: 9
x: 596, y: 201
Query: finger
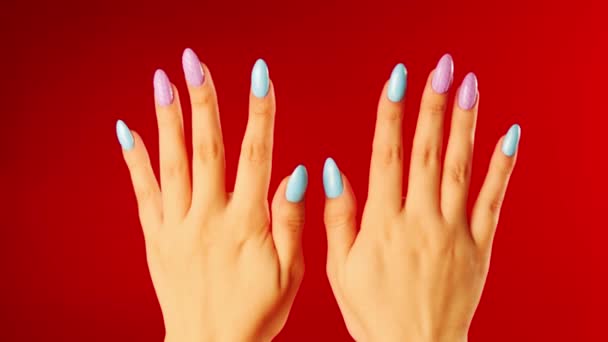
x: 144, y: 182
x: 253, y: 175
x: 174, y: 169
x: 425, y: 165
x: 339, y: 217
x: 288, y: 221
x: 487, y: 208
x: 459, y: 153
x: 208, y: 164
x: 386, y: 169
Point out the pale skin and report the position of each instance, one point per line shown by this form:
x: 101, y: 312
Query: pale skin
x: 220, y: 272
x: 416, y: 268
x: 226, y: 267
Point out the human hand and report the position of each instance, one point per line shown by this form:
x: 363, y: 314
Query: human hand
x: 415, y: 270
x: 219, y: 271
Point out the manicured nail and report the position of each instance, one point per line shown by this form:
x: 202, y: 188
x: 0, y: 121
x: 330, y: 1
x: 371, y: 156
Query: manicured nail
x: 163, y: 92
x: 467, y: 95
x: 260, y: 81
x: 193, y: 69
x: 397, y: 83
x: 443, y: 74
x: 332, y: 179
x: 296, y: 185
x: 125, y: 138
x: 511, y: 140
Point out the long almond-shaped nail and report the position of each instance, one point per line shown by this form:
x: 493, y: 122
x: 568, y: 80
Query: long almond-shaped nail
x: 332, y: 179
x: 260, y: 80
x: 193, y: 70
x: 511, y: 140
x: 163, y: 92
x: 397, y: 83
x: 443, y: 74
x: 467, y: 94
x: 123, y: 133
x: 296, y: 185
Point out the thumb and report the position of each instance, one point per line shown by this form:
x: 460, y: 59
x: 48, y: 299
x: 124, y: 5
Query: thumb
x: 288, y: 221
x: 340, y: 210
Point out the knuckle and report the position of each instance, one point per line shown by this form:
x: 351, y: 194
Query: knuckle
x: 293, y: 223
x: 494, y: 206
x: 174, y: 169
x: 392, y: 115
x: 262, y: 109
x: 388, y: 154
x: 144, y: 194
x: 204, y: 98
x: 257, y: 152
x: 339, y: 220
x: 428, y: 156
x: 209, y: 151
x: 458, y: 173
x: 436, y: 108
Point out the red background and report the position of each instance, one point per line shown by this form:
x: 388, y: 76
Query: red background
x: 71, y: 250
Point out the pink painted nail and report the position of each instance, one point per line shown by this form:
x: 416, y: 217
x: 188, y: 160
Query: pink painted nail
x: 443, y: 74
x: 163, y: 92
x: 467, y: 95
x: 192, y: 68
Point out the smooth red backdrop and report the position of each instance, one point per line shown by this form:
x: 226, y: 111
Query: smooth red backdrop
x: 71, y: 249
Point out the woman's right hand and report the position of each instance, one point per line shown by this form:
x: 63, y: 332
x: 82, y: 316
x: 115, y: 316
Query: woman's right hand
x: 416, y: 269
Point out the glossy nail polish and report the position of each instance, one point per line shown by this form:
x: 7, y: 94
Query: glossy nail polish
x: 260, y: 81
x: 467, y: 94
x: 296, y: 185
x: 123, y: 133
x: 193, y: 69
x: 511, y: 141
x: 163, y: 93
x: 443, y: 74
x: 397, y: 83
x: 332, y: 179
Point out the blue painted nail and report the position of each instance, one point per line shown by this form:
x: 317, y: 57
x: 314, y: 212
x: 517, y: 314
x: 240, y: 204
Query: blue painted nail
x: 511, y: 140
x: 125, y: 138
x: 296, y: 185
x: 397, y: 83
x: 332, y: 179
x: 259, y: 79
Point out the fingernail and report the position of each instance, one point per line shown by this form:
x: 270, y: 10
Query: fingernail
x: 443, y: 74
x: 332, y: 179
x: 259, y: 79
x: 511, y: 140
x: 123, y: 133
x: 163, y: 93
x: 467, y: 95
x: 296, y: 185
x: 193, y: 69
x: 397, y: 83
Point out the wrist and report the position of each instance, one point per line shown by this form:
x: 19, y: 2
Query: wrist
x: 386, y: 335
x: 176, y: 336
x: 440, y: 337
